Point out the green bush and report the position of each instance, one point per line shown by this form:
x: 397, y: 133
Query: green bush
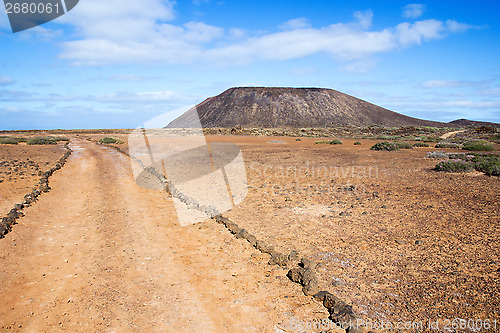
x: 454, y: 166
x: 357, y: 143
x: 437, y: 155
x: 109, y: 140
x: 387, y: 137
x: 448, y: 145
x: 385, y: 146
x: 11, y: 140
x: 494, y: 170
x: 41, y: 141
x: 489, y: 164
x: 430, y: 129
x: 58, y: 138
x: 460, y: 162
x: 8, y: 141
x: 420, y: 144
x: 477, y: 146
x: 460, y: 156
x: 330, y: 142
x: 404, y: 145
x: 436, y: 139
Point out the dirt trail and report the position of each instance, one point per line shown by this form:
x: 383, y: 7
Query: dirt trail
x: 97, y: 253
x: 449, y: 134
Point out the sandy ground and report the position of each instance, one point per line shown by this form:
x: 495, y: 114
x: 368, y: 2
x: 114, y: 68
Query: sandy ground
x: 99, y: 254
x: 395, y: 239
x: 19, y: 168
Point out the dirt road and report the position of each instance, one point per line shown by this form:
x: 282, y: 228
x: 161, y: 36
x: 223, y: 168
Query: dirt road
x: 450, y: 134
x: 97, y: 253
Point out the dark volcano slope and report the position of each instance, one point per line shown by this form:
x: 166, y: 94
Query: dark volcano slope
x: 292, y: 107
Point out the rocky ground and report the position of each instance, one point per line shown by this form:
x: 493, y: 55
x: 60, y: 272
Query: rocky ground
x: 393, y: 238
x: 97, y: 253
x: 396, y: 239
x: 20, y: 169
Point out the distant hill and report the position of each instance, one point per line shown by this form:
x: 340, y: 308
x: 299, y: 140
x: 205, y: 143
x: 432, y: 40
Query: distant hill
x: 466, y: 122
x: 292, y: 107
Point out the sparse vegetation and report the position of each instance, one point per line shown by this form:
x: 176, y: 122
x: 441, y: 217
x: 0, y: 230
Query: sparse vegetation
x: 467, y: 162
x: 436, y: 139
x: 60, y: 138
x: 391, y: 146
x: 420, y: 144
x: 11, y: 140
x: 110, y: 140
x: 385, y: 146
x: 357, y: 143
x: 446, y: 145
x: 489, y: 164
x: 454, y: 166
x: 460, y: 156
x: 330, y: 142
x: 47, y: 140
x: 8, y: 141
x: 388, y: 137
x: 404, y: 145
x: 478, y: 146
x: 437, y: 155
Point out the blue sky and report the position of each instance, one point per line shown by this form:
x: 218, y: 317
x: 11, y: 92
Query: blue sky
x: 116, y: 64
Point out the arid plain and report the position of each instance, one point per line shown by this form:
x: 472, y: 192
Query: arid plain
x: 394, y: 238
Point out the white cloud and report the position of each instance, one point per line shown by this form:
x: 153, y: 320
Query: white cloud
x: 11, y: 109
x: 236, y: 33
x: 442, y: 84
x: 139, y: 33
x: 6, y: 80
x: 472, y: 104
x: 127, y: 77
x: 364, y: 18
x: 201, y: 32
x: 413, y: 11
x: 40, y: 33
x: 151, y: 97
x: 8, y: 95
x: 455, y: 27
x: 419, y: 31
x: 127, y: 97
x: 119, y: 20
x: 296, y: 24
x: 358, y: 67
x: 455, y: 83
x: 490, y: 92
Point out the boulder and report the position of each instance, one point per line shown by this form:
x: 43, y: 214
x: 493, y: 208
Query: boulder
x: 278, y: 259
x: 310, y: 282
x: 295, y: 274
x: 264, y: 247
x: 242, y: 234
x: 308, y: 263
x: 252, y: 239
x: 294, y: 255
